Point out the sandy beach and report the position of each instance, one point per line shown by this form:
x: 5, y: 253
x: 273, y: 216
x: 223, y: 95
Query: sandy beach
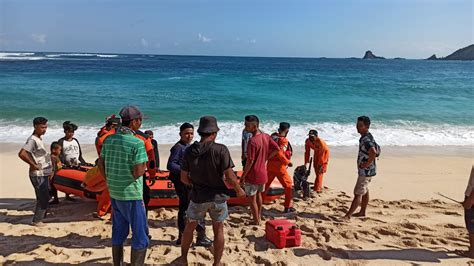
x: 407, y: 222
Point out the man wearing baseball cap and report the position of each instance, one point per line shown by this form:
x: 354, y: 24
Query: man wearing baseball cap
x: 132, y: 113
x: 320, y: 157
x: 206, y: 166
x: 122, y: 162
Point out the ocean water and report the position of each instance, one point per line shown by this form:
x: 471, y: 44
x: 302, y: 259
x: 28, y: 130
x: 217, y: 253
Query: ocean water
x: 410, y: 102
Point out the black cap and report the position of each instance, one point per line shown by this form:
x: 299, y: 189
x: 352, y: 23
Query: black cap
x: 130, y: 112
x: 313, y: 132
x: 207, y: 125
x: 284, y: 126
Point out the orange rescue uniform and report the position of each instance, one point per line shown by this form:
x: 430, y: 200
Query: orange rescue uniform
x: 101, y: 136
x: 320, y: 159
x: 277, y: 167
x: 95, y: 182
x: 151, y: 167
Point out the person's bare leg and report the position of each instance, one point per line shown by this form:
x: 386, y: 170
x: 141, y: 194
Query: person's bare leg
x: 218, y: 228
x: 355, y: 204
x: 254, y: 208
x: 186, y: 240
x: 363, y: 205
x: 259, y: 205
x: 262, y: 195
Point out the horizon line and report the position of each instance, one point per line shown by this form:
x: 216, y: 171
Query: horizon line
x: 204, y: 55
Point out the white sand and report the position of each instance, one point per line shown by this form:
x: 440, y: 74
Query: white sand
x: 407, y: 224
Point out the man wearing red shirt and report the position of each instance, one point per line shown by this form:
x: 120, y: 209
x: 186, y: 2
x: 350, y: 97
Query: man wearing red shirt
x: 261, y: 147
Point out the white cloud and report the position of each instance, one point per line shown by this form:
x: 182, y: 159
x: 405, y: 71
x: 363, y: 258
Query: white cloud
x: 237, y: 39
x: 176, y: 43
x: 144, y: 42
x: 203, y: 38
x: 253, y: 41
x: 39, y: 38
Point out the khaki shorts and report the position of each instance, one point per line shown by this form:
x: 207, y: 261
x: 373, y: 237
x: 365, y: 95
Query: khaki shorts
x: 362, y: 185
x: 252, y: 189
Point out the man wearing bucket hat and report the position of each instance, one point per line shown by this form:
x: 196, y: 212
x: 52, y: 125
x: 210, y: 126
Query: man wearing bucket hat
x: 206, y: 166
x: 320, y: 158
x: 122, y: 162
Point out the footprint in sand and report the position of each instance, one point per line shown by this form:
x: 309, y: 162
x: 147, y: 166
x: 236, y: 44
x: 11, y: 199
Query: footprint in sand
x: 414, y: 226
x: 349, y: 235
x: 352, y: 246
x: 416, y: 216
x: 410, y: 243
x: 54, y: 250
x: 453, y: 226
x: 260, y: 260
x: 451, y: 213
x: 307, y: 229
x: 166, y: 251
x: 205, y: 255
x: 86, y: 253
x: 388, y: 232
x: 326, y: 236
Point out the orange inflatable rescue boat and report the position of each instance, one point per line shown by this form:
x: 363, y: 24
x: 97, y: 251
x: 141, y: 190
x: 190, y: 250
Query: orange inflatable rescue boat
x: 162, y: 193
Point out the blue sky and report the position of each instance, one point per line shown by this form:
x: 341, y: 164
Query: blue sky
x: 332, y: 28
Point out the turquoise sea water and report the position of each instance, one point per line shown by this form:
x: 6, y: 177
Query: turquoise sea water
x: 411, y: 102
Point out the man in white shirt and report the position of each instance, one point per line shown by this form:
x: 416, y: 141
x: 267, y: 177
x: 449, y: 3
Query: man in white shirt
x: 37, y: 156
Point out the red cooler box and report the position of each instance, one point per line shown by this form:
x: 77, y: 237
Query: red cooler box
x: 283, y: 233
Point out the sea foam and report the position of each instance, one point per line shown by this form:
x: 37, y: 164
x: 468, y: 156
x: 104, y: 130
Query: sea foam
x: 335, y: 134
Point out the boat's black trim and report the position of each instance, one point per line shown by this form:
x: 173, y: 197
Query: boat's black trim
x: 74, y: 184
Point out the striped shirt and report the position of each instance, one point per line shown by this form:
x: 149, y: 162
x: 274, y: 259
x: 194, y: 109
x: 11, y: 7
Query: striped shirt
x: 121, y: 152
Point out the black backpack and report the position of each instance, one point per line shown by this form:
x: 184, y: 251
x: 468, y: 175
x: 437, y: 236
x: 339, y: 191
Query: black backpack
x: 378, y: 150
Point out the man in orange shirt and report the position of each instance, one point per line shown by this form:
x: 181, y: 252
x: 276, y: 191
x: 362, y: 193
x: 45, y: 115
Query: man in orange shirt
x: 320, y: 158
x: 277, y: 166
x: 111, y: 123
x: 151, y: 165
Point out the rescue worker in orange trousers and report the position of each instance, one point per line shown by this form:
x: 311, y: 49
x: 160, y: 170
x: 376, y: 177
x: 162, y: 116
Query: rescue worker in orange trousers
x: 320, y: 158
x: 95, y: 182
x: 277, y: 166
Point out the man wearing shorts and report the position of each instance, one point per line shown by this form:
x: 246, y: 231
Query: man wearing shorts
x: 261, y: 148
x: 366, y: 168
x: 206, y: 166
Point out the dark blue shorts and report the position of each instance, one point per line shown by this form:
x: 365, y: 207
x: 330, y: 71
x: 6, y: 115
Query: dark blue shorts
x: 128, y: 214
x: 469, y: 219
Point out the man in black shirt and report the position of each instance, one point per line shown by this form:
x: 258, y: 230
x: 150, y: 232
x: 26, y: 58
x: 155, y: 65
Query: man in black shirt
x: 206, y: 167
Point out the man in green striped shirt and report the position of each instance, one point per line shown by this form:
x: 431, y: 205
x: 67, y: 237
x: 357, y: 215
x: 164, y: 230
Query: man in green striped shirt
x: 122, y: 160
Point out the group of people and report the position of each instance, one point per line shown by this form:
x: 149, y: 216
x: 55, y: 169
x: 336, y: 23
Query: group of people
x: 43, y: 164
x: 201, y: 172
